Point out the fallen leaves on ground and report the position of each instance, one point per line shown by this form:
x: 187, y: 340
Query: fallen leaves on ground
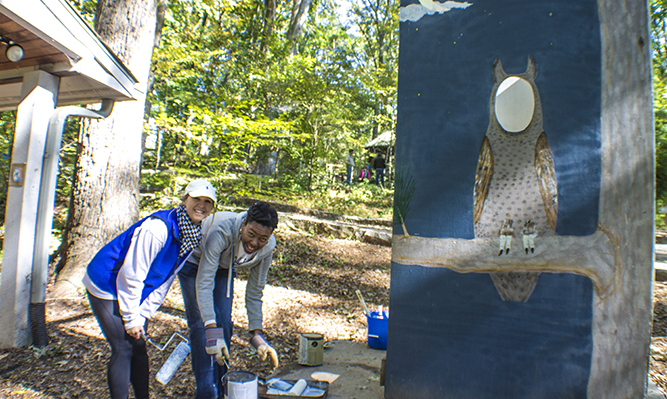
x: 311, y: 288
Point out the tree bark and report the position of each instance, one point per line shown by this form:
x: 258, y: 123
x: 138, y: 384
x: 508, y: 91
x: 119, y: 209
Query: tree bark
x: 105, y: 193
x: 311, y: 162
x: 299, y: 15
x: 159, y: 24
x: 269, y: 19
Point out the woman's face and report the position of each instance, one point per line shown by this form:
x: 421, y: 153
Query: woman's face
x: 254, y: 236
x: 198, y: 208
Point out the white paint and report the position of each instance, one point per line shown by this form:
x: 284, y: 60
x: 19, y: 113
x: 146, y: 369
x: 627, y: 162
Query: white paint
x: 515, y: 104
x: 414, y: 12
x: 240, y: 385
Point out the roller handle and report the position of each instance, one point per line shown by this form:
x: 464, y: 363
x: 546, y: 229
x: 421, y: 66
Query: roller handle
x: 363, y: 303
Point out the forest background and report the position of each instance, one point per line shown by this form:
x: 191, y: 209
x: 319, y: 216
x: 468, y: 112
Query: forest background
x: 264, y: 98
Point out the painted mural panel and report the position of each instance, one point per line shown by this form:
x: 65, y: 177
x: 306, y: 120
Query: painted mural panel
x: 446, y: 93
x: 498, y: 251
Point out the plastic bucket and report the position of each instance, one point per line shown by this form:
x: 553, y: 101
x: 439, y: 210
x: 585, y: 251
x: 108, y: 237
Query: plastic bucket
x: 240, y: 385
x: 377, y: 329
x: 311, y: 348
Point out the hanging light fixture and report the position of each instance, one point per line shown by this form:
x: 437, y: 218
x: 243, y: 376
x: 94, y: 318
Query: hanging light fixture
x: 14, y: 52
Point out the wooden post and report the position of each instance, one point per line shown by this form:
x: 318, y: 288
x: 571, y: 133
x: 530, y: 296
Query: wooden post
x: 39, y: 92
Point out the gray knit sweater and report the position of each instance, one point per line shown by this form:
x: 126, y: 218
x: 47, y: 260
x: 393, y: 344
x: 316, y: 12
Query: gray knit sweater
x: 221, y: 235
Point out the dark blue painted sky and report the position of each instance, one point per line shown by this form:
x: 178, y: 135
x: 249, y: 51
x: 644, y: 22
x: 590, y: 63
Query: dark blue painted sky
x: 445, y: 83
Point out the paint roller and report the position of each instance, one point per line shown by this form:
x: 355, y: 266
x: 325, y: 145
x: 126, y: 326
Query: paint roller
x: 298, y: 388
x: 174, y: 360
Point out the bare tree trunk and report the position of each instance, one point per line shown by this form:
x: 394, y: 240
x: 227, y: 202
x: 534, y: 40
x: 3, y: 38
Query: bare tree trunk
x: 106, y: 188
x: 161, y: 9
x: 269, y: 19
x: 311, y: 162
x: 299, y: 15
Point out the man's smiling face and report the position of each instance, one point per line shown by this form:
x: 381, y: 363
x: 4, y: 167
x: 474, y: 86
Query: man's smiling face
x: 254, y: 236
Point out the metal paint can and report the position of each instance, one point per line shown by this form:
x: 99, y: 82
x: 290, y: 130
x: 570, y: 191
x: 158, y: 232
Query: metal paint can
x: 240, y: 385
x: 311, y: 349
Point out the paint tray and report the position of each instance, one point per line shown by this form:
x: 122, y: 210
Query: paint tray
x: 311, y: 383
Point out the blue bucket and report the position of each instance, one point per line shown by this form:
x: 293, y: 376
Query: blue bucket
x: 377, y: 329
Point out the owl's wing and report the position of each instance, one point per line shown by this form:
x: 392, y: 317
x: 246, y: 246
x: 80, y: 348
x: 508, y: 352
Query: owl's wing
x: 482, y: 178
x: 546, y: 177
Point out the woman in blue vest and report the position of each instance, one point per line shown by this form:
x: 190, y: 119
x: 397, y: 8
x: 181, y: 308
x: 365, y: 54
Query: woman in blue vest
x: 128, y: 279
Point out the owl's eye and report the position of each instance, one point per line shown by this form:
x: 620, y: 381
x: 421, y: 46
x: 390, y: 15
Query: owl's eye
x: 515, y: 104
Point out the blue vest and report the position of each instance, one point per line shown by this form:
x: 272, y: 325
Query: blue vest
x: 103, y: 269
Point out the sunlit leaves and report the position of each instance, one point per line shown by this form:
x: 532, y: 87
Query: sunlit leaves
x: 659, y: 48
x: 227, y: 86
x: 87, y: 9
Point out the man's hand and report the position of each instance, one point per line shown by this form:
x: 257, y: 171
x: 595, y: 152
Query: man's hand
x: 216, y: 346
x: 264, y: 349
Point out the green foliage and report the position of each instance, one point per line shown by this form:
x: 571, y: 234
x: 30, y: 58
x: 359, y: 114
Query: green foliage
x: 69, y: 149
x: 87, y: 9
x: 7, y: 126
x: 659, y: 66
x: 162, y: 190
x: 230, y: 95
x: 659, y: 47
x: 363, y: 200
x: 378, y: 23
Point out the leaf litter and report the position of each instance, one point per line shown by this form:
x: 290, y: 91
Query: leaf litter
x: 310, y: 288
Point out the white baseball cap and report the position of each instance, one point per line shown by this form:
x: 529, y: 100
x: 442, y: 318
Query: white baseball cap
x: 201, y: 188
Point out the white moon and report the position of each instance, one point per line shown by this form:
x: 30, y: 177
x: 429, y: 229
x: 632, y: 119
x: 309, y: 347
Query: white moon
x: 515, y: 104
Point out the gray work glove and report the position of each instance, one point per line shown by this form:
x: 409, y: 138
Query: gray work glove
x: 216, y: 346
x: 264, y: 349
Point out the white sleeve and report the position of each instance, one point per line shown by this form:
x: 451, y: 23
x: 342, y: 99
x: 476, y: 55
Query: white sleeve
x: 152, y: 303
x: 148, y: 240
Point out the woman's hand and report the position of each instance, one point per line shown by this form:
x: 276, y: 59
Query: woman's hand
x: 135, y: 332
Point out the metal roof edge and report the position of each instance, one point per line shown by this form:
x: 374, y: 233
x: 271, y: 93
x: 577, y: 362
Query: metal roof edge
x: 92, y: 36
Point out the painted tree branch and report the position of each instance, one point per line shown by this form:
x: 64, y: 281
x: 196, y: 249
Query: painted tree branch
x: 594, y: 256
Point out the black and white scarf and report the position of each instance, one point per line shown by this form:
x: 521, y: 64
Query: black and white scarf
x: 190, y: 232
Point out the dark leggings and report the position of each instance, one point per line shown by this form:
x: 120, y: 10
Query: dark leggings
x: 129, y: 360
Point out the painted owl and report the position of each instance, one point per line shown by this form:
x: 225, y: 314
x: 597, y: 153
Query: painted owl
x: 515, y: 183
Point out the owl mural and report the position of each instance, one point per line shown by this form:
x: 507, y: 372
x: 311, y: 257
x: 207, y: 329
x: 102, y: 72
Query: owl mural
x: 515, y: 194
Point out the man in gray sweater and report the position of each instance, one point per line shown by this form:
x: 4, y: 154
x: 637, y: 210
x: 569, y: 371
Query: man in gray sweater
x: 230, y: 241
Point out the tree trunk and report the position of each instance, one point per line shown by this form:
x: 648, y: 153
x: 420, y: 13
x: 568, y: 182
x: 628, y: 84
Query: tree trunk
x: 161, y: 9
x: 269, y: 19
x: 299, y: 15
x: 106, y: 188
